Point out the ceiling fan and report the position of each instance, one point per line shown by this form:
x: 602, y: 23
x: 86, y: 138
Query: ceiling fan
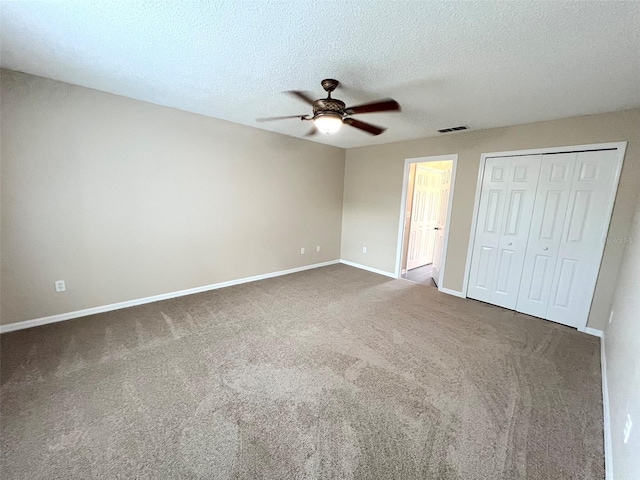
x: 330, y: 113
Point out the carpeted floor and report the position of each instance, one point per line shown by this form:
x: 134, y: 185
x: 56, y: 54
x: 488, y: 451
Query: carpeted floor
x: 333, y: 373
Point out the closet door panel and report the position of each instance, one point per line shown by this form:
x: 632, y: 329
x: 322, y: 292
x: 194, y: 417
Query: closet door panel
x: 495, y: 183
x: 552, y: 198
x: 582, y: 242
x: 520, y: 199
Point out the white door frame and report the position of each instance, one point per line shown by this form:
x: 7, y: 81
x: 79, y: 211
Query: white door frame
x: 620, y: 146
x: 403, y: 206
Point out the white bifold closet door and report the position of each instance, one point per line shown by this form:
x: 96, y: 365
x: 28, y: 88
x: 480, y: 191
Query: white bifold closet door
x: 583, y: 237
x: 544, y: 259
x: 506, y: 204
x: 552, y: 198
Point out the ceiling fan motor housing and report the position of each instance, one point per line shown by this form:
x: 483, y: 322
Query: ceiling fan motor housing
x: 329, y: 105
x: 324, y: 105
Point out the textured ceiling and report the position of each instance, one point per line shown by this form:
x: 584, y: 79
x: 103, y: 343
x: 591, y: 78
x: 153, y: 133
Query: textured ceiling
x: 448, y: 63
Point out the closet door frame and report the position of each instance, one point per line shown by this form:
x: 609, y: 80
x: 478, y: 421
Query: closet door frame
x: 621, y: 148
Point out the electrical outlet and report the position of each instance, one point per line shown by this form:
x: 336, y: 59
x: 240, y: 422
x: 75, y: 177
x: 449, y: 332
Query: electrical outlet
x: 60, y: 287
x: 627, y: 428
x: 611, y: 316
x: 318, y: 248
x: 364, y: 249
x: 302, y: 251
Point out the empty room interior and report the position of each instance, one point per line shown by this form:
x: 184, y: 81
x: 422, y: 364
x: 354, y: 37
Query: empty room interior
x: 320, y: 240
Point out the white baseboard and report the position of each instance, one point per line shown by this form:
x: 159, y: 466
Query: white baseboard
x: 369, y: 269
x: 141, y: 301
x: 608, y: 454
x: 593, y: 331
x: 455, y: 293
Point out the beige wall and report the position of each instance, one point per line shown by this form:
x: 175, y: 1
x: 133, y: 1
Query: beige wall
x: 373, y: 186
x: 622, y: 348
x: 123, y: 199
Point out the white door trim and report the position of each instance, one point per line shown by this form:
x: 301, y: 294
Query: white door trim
x: 403, y: 205
x: 620, y: 146
x: 569, y: 148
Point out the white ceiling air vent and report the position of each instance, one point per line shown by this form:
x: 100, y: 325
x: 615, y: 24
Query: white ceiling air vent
x: 453, y: 129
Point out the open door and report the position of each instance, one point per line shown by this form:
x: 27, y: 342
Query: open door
x: 441, y: 224
x: 423, y: 232
x: 424, y: 216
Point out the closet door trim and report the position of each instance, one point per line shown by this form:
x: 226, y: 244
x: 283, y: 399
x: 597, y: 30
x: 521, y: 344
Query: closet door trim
x: 621, y: 148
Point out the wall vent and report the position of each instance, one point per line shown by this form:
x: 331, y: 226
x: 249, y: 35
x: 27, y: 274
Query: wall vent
x: 453, y: 129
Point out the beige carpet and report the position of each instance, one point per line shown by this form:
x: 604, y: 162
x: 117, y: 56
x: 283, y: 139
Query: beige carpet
x: 334, y: 373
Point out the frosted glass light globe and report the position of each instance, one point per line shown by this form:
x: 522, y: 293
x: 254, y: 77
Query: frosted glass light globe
x: 328, y: 123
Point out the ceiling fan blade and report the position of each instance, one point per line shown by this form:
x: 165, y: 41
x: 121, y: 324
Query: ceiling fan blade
x: 380, y: 106
x: 304, y: 96
x: 367, y: 127
x: 269, y: 119
x: 311, y: 132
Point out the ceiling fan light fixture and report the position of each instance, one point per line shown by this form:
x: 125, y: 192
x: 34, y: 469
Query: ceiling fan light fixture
x: 328, y: 123
x: 330, y: 113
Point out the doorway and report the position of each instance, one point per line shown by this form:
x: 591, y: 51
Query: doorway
x: 424, y: 219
